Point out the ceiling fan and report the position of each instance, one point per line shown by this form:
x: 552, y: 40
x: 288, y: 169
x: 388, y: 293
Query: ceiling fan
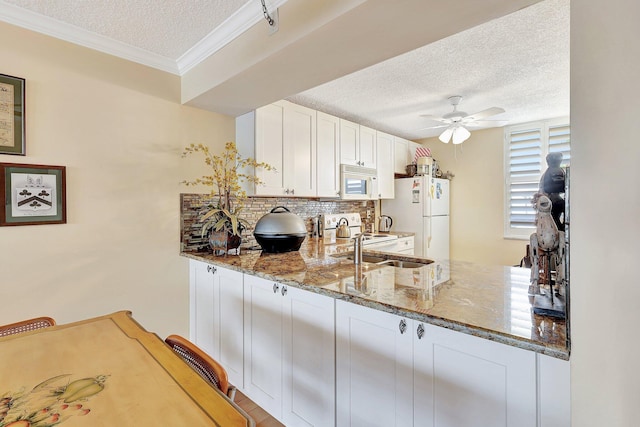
x: 456, y: 122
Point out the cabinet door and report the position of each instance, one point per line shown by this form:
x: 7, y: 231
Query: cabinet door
x: 269, y: 148
x: 309, y: 359
x: 401, y: 155
x: 299, y: 150
x: 263, y: 343
x: 385, y: 153
x: 328, y: 155
x: 229, y: 322
x: 373, y: 368
x: 201, y: 329
x: 465, y: 381
x: 368, y: 147
x: 349, y: 143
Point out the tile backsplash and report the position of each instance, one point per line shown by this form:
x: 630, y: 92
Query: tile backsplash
x: 192, y: 204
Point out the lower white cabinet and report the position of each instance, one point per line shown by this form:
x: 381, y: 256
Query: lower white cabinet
x: 404, y: 245
x: 289, y: 352
x: 217, y: 316
x: 374, y: 372
x: 465, y: 381
x: 394, y: 371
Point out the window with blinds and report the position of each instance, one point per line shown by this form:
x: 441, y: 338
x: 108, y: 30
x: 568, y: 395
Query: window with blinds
x: 526, y: 148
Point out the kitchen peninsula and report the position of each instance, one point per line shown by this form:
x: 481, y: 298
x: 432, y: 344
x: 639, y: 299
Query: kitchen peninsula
x: 478, y: 323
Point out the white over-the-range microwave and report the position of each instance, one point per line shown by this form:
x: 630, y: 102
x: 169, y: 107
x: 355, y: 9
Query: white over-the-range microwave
x: 358, y: 183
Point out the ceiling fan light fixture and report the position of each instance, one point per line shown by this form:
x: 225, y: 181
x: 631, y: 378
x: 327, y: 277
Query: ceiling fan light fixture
x: 460, y: 134
x: 446, y: 135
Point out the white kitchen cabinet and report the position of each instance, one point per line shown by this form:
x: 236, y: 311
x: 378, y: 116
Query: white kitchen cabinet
x: 217, y: 316
x: 357, y: 145
x: 465, y: 381
x: 385, y: 152
x: 328, y: 155
x: 283, y: 135
x: 554, y: 391
x: 401, y: 155
x: 289, y: 352
x: 374, y: 372
x: 404, y: 245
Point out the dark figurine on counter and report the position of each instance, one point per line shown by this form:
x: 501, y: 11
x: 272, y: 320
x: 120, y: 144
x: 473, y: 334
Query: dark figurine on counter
x: 552, y: 185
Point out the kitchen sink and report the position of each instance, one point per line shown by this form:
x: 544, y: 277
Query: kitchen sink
x: 402, y: 264
x: 369, y: 258
x: 388, y: 261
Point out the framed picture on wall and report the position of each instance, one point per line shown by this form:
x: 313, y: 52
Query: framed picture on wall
x: 12, y: 127
x: 32, y: 194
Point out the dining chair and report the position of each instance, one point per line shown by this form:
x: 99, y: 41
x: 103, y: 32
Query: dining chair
x: 202, y: 363
x: 26, y: 326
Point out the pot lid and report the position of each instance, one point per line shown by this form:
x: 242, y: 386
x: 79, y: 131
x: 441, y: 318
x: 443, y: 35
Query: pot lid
x: 280, y: 221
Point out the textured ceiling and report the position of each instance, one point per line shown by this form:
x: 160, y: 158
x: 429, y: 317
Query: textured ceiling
x: 519, y: 62
x: 167, y: 28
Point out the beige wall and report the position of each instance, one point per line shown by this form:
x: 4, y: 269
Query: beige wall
x: 605, y: 213
x: 118, y: 128
x: 477, y: 194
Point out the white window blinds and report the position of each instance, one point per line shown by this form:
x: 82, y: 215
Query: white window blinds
x: 526, y: 147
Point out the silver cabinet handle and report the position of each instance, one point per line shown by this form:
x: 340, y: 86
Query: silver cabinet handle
x: 284, y: 290
x: 420, y: 331
x: 293, y: 191
x: 211, y: 269
x: 286, y: 191
x: 402, y: 326
x: 275, y: 288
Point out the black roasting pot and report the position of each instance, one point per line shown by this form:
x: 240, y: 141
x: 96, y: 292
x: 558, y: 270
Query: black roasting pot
x: 280, y: 231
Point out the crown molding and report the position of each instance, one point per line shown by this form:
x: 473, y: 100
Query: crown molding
x: 247, y: 16
x: 243, y: 19
x: 70, y: 33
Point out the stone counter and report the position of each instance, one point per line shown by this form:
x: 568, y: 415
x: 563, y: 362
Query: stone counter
x: 486, y: 301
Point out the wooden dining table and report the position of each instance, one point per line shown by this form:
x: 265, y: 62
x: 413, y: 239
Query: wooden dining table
x: 104, y: 371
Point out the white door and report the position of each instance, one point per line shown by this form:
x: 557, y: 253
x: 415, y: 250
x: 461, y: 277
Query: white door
x: 328, y: 155
x: 435, y: 196
x: 229, y: 323
x: 349, y: 143
x: 269, y: 148
x: 263, y: 343
x: 436, y: 237
x: 201, y: 329
x: 465, y: 381
x: 368, y: 147
x: 401, y: 155
x: 309, y: 359
x: 385, y: 152
x: 300, y: 150
x: 374, y: 372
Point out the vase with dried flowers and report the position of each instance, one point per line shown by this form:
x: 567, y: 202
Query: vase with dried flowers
x: 221, y: 220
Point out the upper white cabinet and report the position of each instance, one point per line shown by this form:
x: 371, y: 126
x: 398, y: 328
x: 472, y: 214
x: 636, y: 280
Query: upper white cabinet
x: 217, y: 316
x: 328, y: 155
x: 401, y: 155
x: 283, y: 135
x: 357, y: 144
x: 385, y: 153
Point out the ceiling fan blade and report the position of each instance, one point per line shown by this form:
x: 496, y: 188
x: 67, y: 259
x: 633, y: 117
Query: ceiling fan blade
x: 486, y: 123
x: 485, y: 113
x: 433, y: 127
x: 435, y: 118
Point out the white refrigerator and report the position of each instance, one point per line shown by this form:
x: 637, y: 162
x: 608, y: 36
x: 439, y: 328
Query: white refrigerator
x: 421, y: 205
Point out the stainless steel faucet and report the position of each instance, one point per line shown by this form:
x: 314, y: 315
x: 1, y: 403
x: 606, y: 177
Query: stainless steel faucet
x: 357, y: 249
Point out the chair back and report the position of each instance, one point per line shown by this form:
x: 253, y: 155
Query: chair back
x: 202, y: 363
x: 26, y: 326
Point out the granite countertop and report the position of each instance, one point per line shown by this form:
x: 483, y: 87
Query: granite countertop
x: 488, y: 301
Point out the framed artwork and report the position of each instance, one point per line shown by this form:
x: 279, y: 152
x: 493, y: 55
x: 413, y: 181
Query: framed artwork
x: 12, y: 115
x: 32, y: 194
